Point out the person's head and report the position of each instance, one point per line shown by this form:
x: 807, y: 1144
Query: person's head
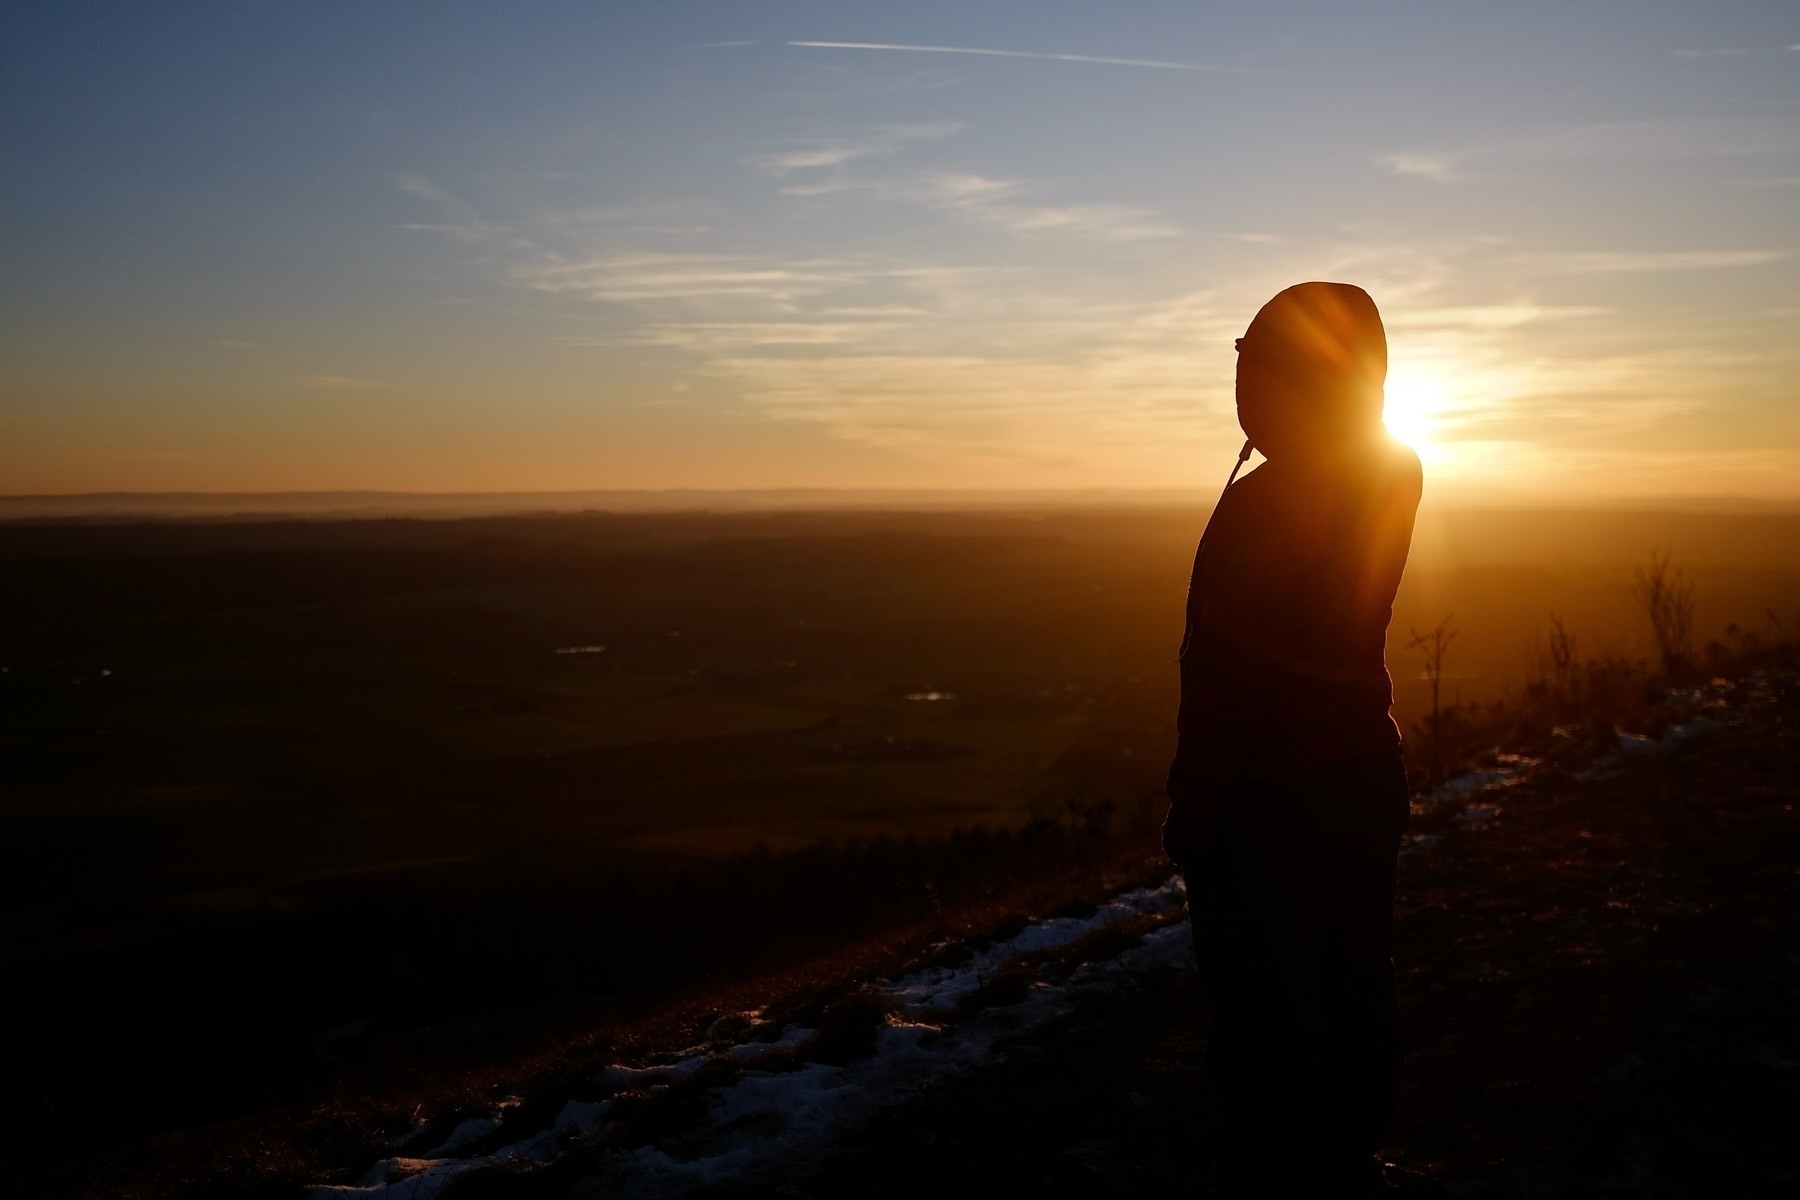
x: 1310, y: 371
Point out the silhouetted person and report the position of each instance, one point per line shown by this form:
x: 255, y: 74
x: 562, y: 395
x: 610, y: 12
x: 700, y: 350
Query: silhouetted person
x: 1287, y: 794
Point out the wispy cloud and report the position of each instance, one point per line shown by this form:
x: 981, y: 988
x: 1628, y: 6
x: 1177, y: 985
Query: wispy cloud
x: 1647, y: 141
x: 1104, y: 60
x: 1488, y: 317
x: 847, y: 147
x: 1439, y: 168
x: 460, y: 220
x: 1027, y: 362
x: 938, y: 189
x: 1604, y: 262
x: 670, y: 276
x: 716, y: 337
x: 339, y: 383
x: 1102, y: 222
x: 1001, y: 203
x: 964, y: 363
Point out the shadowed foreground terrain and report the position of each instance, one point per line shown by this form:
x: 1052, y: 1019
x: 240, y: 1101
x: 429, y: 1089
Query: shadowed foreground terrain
x: 1599, y: 988
x: 315, y: 816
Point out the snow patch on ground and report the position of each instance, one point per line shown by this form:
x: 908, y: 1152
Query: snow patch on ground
x: 941, y: 989
x: 1712, y: 702
x: 763, y: 1117
x: 1636, y: 745
x: 469, y: 1131
x: 1508, y: 769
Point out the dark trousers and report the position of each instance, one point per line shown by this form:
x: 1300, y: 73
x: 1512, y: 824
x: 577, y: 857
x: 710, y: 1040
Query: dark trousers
x: 1292, y: 908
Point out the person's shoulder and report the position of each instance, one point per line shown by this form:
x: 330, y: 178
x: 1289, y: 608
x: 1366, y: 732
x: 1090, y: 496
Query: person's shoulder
x: 1252, y: 488
x: 1255, y: 479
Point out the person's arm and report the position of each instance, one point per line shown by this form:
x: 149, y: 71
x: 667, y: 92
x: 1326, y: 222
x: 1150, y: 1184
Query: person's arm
x: 1291, y: 597
x: 1229, y: 683
x: 1225, y: 698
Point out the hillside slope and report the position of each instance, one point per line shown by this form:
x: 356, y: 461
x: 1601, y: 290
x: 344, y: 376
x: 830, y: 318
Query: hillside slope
x: 1599, y: 982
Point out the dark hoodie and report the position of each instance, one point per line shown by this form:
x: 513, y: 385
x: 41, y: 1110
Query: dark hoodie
x: 1282, y: 667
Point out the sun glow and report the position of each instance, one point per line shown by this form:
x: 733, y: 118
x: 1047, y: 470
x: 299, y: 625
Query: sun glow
x: 1413, y: 404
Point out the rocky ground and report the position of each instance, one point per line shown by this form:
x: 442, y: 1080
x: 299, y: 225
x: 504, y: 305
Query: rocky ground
x: 1600, y: 981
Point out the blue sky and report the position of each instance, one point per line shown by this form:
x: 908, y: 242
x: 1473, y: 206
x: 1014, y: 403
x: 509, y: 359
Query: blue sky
x: 465, y: 247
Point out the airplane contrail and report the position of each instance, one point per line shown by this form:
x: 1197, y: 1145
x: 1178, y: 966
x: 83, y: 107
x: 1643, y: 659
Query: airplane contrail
x: 1157, y: 64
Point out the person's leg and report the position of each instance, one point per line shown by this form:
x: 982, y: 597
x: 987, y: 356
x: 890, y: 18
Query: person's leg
x: 1292, y: 915
x: 1251, y: 940
x: 1359, y: 1048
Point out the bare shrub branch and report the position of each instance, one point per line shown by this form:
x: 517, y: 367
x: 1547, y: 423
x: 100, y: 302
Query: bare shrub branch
x: 1666, y: 597
x: 1433, y: 646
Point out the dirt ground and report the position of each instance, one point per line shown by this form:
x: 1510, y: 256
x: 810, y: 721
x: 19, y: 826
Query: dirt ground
x: 1599, y: 986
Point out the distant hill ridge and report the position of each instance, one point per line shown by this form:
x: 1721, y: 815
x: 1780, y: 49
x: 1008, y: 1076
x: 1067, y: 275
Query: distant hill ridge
x: 351, y: 504
x: 226, y: 505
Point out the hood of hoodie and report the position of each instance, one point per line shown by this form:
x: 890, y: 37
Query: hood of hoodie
x: 1310, y: 372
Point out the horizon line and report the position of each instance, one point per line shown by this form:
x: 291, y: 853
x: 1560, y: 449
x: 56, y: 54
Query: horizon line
x: 351, y: 502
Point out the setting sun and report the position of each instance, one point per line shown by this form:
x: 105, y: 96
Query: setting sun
x: 1413, y: 402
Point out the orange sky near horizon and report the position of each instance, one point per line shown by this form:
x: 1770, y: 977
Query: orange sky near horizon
x: 316, y: 250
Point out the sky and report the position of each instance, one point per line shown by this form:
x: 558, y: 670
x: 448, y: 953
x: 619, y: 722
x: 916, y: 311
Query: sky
x: 260, y: 246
